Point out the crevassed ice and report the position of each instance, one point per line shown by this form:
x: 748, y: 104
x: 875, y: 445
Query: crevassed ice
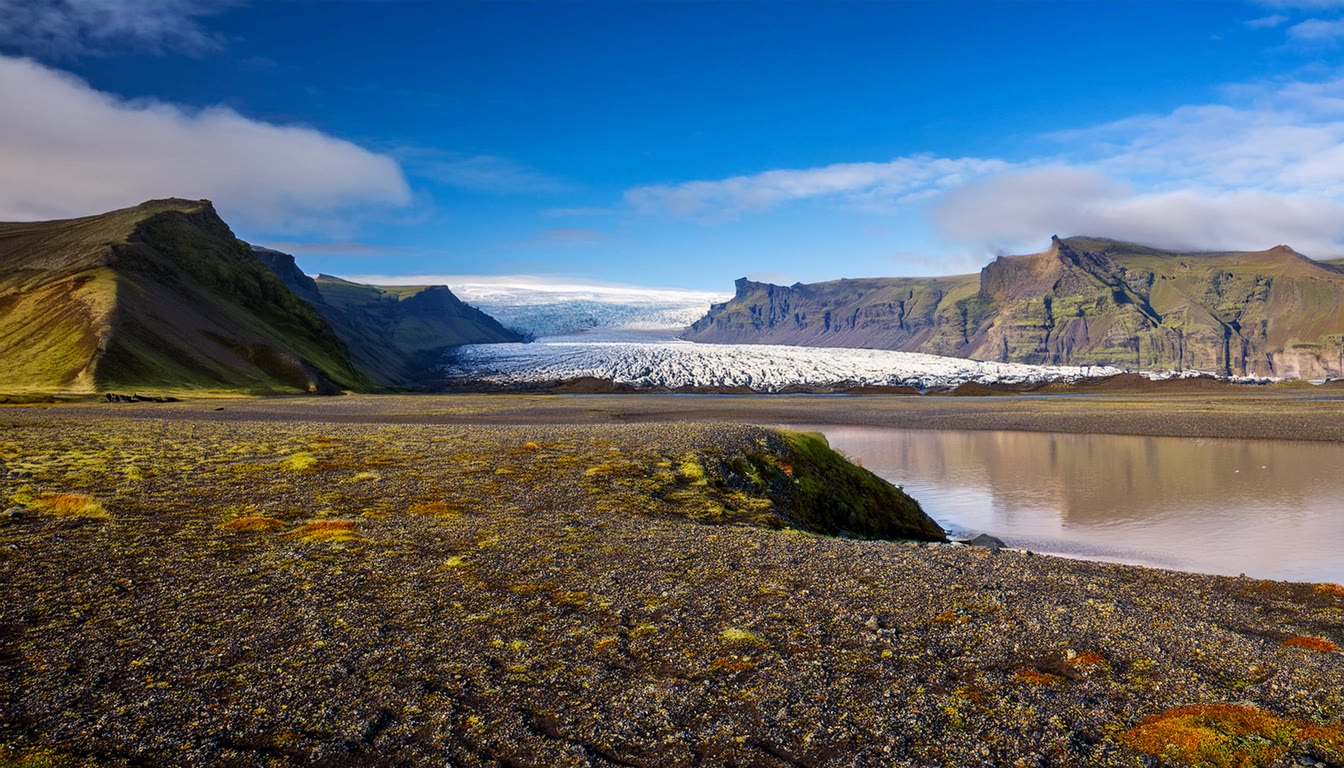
x: 657, y: 360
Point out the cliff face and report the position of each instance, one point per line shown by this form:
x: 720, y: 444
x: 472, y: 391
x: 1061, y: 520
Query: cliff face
x: 395, y: 334
x: 161, y: 295
x: 1081, y: 301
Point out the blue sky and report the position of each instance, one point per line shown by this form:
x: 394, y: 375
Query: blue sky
x: 684, y: 144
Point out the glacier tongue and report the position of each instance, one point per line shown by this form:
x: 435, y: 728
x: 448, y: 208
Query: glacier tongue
x: 658, y: 359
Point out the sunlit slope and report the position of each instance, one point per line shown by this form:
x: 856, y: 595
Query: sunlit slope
x: 161, y: 295
x: 1083, y: 301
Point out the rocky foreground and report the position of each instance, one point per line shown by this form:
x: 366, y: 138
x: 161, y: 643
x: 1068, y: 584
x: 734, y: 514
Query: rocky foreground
x: 192, y: 591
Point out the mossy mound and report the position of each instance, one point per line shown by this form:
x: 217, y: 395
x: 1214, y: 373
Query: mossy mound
x: 833, y: 496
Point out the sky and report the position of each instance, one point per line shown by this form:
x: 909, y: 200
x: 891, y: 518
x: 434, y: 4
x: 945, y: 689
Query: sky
x: 683, y: 144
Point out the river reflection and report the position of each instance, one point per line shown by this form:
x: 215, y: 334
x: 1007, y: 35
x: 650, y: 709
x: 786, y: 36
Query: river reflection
x: 1272, y: 509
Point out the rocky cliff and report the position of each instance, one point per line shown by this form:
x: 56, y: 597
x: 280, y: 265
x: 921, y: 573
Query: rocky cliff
x: 1080, y: 301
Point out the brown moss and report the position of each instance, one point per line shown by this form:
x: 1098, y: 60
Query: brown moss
x: 1037, y: 677
x: 434, y: 509
x: 326, y: 531
x: 1225, y: 736
x: 69, y: 505
x: 253, y: 523
x: 1311, y: 644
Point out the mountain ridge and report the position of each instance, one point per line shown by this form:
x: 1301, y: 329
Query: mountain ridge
x: 156, y: 295
x: 396, y: 334
x: 163, y: 295
x: 1082, y: 301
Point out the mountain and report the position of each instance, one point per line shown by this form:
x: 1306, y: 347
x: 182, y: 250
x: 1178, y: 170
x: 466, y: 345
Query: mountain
x: 161, y: 295
x: 395, y: 334
x: 1082, y: 301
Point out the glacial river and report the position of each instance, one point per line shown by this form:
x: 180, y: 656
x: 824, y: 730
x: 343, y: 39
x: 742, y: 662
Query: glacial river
x: 1269, y: 509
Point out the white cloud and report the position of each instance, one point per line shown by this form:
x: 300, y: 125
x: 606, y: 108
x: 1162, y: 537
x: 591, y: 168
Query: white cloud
x: 64, y: 28
x: 1266, y: 22
x: 1019, y: 211
x: 479, y: 173
x: 69, y: 150
x: 1317, y: 30
x: 870, y: 183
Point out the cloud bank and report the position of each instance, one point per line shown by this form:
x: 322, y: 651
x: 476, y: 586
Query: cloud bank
x: 69, y: 150
x: 1265, y: 166
x: 903, y: 177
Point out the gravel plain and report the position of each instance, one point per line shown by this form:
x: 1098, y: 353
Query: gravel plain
x: 538, y: 581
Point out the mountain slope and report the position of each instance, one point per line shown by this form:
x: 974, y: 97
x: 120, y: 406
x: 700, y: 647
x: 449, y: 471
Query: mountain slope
x: 395, y: 334
x: 1083, y: 301
x: 161, y: 295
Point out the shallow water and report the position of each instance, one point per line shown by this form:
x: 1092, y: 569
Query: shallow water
x: 1270, y: 509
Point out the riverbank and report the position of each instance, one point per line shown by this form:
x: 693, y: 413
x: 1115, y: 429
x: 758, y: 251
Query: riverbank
x: 323, y: 580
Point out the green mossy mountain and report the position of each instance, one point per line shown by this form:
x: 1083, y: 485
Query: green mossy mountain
x: 395, y: 334
x: 158, y: 296
x: 1082, y: 301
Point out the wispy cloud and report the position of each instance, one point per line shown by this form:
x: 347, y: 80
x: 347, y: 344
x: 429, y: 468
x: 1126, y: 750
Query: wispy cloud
x: 479, y: 173
x: 903, y: 177
x: 331, y: 249
x: 1265, y: 168
x: 577, y: 212
x: 1317, y: 30
x: 1266, y: 22
x: 58, y: 29
x: 72, y: 150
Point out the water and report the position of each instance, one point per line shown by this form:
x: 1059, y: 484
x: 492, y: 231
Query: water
x: 1270, y: 509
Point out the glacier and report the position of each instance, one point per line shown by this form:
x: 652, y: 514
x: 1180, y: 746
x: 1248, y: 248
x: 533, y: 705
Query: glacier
x: 656, y: 358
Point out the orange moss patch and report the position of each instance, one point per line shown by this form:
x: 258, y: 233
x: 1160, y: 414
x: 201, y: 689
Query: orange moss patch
x: 1311, y: 644
x: 530, y: 446
x: 434, y: 509
x: 1086, y: 659
x: 326, y: 531
x: 1037, y: 677
x: 253, y: 523
x: 950, y: 617
x: 69, y: 505
x: 1225, y: 736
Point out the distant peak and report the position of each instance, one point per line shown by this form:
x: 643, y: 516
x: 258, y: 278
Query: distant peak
x: 1282, y: 249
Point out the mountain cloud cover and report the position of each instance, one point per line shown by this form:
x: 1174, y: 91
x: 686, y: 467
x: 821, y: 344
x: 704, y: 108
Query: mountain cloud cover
x: 67, y: 150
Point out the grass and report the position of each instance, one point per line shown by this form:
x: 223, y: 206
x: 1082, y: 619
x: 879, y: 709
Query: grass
x: 1226, y: 736
x: 69, y: 505
x: 301, y: 461
x: 326, y: 531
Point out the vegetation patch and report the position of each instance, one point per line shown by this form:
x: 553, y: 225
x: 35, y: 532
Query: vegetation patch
x: 326, y: 531
x: 1226, y: 736
x: 69, y: 505
x: 434, y: 509
x: 301, y: 461
x: 1311, y: 643
x: 1037, y: 677
x: 737, y: 636
x: 259, y: 523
